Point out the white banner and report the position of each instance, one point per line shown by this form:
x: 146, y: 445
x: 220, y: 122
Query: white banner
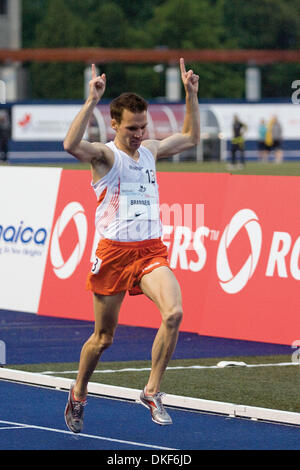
x: 251, y: 114
x: 42, y: 122
x: 27, y: 204
x: 51, y: 122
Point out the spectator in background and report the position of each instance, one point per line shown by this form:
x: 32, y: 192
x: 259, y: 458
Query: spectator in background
x: 262, y: 149
x: 4, y: 134
x: 273, y: 139
x: 238, y: 142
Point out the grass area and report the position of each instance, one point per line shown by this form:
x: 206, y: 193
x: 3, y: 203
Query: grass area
x: 252, y: 168
x: 273, y: 387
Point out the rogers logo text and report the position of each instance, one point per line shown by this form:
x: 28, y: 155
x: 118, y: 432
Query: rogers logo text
x: 64, y: 269
x: 247, y: 219
x: 283, y: 258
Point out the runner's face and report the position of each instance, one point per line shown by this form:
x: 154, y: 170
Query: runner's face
x: 131, y: 130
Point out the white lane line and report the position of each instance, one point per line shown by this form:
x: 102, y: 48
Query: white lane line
x: 143, y: 369
x: 11, y: 427
x: 90, y: 436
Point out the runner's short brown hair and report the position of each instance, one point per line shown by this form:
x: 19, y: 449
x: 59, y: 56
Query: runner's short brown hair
x: 130, y: 101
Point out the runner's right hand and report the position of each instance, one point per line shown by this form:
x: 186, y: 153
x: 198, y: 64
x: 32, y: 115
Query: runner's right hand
x: 97, y: 85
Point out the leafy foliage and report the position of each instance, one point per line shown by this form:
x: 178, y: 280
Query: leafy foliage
x: 186, y: 24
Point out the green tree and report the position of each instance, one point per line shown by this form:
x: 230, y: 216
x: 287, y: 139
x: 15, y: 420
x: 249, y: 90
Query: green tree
x: 194, y: 24
x: 32, y: 13
x: 58, y: 28
x: 186, y: 24
x: 267, y: 24
x: 263, y: 24
x: 107, y: 27
x: 139, y: 12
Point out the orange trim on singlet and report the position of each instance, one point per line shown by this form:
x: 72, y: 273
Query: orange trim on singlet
x: 102, y: 196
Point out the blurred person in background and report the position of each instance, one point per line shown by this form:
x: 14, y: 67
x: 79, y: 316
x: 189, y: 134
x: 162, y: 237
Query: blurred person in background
x: 238, y: 143
x: 262, y: 148
x: 274, y: 139
x: 4, y: 134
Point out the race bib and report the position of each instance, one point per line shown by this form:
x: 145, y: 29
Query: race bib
x: 96, y: 265
x: 138, y: 201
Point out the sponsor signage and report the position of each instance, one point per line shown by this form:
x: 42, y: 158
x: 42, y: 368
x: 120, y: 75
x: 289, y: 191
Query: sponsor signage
x: 51, y: 122
x: 233, y: 243
x: 42, y: 122
x: 72, y: 249
x: 27, y: 203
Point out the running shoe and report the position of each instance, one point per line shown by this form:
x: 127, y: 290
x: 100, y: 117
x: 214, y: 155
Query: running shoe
x: 154, y: 403
x: 74, y: 412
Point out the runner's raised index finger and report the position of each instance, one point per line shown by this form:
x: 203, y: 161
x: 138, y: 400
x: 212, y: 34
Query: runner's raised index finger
x: 182, y: 66
x: 93, y: 71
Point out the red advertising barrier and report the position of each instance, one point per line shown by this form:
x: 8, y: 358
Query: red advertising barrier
x: 234, y: 245
x: 68, y: 261
x: 253, y: 292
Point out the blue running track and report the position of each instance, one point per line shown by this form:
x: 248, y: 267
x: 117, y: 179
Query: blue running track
x: 32, y: 419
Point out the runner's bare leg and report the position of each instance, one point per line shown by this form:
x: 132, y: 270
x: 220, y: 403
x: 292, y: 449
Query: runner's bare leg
x: 106, y: 310
x: 162, y: 287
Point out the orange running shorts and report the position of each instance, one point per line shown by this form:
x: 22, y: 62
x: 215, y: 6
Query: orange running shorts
x: 120, y: 266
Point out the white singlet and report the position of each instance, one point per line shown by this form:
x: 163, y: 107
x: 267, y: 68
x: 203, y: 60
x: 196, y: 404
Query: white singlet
x: 128, y: 200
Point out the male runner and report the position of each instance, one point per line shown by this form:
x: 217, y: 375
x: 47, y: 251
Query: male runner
x: 130, y: 254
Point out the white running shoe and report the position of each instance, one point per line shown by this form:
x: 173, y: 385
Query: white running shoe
x: 154, y: 403
x: 74, y: 412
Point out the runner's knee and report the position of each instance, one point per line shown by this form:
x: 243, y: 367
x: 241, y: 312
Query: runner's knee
x: 173, y: 318
x: 103, y: 341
